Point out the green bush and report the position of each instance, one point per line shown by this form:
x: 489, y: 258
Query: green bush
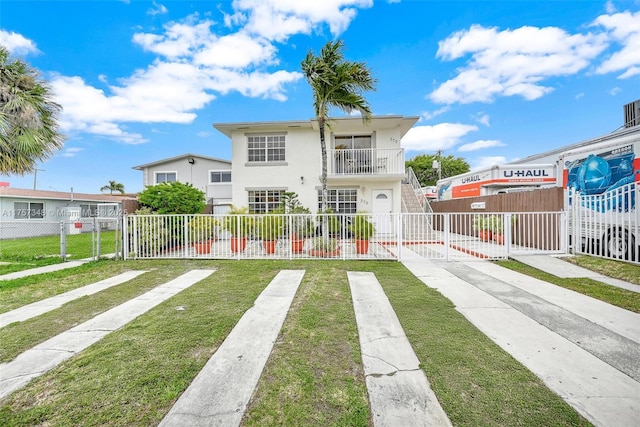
x: 173, y: 198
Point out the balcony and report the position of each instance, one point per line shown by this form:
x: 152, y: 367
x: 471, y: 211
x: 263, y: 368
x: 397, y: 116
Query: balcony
x: 369, y: 162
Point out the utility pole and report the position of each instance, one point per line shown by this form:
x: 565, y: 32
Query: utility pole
x: 437, y: 164
x: 35, y: 177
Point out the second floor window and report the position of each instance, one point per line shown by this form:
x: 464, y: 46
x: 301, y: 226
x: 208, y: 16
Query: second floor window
x: 165, y: 177
x: 265, y: 148
x: 218, y: 177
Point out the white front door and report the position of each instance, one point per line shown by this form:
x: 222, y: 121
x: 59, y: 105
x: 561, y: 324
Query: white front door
x: 382, y: 208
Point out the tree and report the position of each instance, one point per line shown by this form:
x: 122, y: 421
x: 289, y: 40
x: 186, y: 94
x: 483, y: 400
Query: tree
x: 422, y: 166
x: 173, y: 198
x: 28, y: 117
x: 335, y: 82
x: 113, y: 186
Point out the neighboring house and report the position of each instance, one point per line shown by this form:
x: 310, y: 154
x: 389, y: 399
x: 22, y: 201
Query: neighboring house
x: 209, y: 174
x: 52, y: 207
x: 365, y: 163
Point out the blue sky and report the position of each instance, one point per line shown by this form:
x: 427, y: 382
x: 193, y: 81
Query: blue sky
x: 491, y: 81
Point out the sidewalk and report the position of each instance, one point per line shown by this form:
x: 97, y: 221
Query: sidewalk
x: 585, y: 350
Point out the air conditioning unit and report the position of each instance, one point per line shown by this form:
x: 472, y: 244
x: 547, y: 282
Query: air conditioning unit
x: 632, y: 114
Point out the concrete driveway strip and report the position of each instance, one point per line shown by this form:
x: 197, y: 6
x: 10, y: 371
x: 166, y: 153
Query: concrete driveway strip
x: 43, y: 269
x: 47, y: 355
x: 40, y: 307
x: 598, y: 391
x: 219, y: 394
x: 399, y: 392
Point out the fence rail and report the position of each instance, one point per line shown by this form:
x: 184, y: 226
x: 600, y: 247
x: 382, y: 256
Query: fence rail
x: 339, y: 236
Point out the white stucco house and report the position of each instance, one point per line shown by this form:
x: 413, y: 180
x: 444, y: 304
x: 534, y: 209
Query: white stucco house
x: 25, y: 212
x: 365, y: 163
x: 209, y: 174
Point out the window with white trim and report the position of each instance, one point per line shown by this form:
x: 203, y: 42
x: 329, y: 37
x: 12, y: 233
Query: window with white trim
x: 219, y: 177
x: 353, y: 142
x: 27, y: 210
x: 341, y: 200
x: 265, y: 148
x: 263, y: 201
x: 165, y: 177
x: 88, y: 211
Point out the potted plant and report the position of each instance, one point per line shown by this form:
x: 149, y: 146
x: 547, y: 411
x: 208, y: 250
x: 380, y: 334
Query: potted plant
x: 497, y: 229
x: 299, y: 225
x: 324, y: 247
x: 482, y: 224
x: 270, y: 228
x: 202, y: 231
x: 240, y: 225
x: 362, y: 229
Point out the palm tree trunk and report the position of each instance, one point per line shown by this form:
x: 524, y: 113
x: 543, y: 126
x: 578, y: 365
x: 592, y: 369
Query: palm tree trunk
x: 323, y: 180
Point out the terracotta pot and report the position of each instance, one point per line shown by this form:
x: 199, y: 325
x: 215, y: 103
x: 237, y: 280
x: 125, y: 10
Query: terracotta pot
x: 484, y: 235
x: 269, y: 246
x: 362, y: 246
x: 297, y: 246
x: 203, y: 247
x: 238, y: 244
x: 324, y: 254
x: 498, y: 238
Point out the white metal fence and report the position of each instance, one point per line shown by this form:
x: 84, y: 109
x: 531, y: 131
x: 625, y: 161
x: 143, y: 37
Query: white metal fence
x: 362, y: 236
x: 608, y: 224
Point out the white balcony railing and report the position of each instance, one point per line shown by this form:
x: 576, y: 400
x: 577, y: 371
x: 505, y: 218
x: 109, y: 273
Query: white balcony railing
x: 383, y: 161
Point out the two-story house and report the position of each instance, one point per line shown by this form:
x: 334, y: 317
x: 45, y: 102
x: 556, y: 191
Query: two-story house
x: 209, y: 174
x: 365, y: 163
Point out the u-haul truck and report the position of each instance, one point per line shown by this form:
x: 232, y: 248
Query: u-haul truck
x: 498, y: 179
x: 603, y: 183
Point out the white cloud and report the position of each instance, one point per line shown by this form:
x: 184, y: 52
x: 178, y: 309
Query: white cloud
x: 17, y: 44
x: 157, y: 9
x: 480, y: 145
x: 616, y: 90
x: 428, y: 115
x: 487, y: 162
x: 71, y: 151
x: 483, y: 119
x: 438, y: 137
x: 279, y: 19
x: 203, y: 134
x: 623, y: 28
x: 512, y: 62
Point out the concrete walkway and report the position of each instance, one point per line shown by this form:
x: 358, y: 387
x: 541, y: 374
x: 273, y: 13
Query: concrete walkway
x: 583, y: 349
x: 44, y: 269
x: 399, y: 392
x: 40, y: 307
x: 219, y: 394
x: 49, y: 354
x: 560, y: 268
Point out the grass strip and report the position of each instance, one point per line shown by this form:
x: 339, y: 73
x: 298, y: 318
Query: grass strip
x: 314, y: 375
x: 476, y: 382
x: 613, y: 295
x: 20, y: 336
x: 617, y: 269
x: 133, y: 376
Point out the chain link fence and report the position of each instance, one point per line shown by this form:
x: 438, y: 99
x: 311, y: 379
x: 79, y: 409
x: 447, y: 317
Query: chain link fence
x: 85, y: 238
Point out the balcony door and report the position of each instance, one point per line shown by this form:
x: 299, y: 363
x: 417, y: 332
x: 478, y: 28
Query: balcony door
x: 357, y: 154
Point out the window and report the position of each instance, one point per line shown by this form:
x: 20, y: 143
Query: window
x: 353, y: 141
x: 343, y: 200
x: 25, y: 210
x: 165, y: 177
x: 218, y: 177
x: 265, y: 148
x: 263, y: 201
x: 88, y: 211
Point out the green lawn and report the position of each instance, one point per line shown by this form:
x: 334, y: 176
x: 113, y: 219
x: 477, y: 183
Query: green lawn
x: 313, y: 377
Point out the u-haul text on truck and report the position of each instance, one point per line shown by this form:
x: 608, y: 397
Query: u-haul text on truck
x: 497, y: 179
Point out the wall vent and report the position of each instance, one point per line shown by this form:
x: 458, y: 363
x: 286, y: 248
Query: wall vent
x: 632, y: 114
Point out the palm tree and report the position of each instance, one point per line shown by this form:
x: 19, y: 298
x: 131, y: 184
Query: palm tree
x: 28, y: 117
x: 113, y: 186
x: 335, y: 83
